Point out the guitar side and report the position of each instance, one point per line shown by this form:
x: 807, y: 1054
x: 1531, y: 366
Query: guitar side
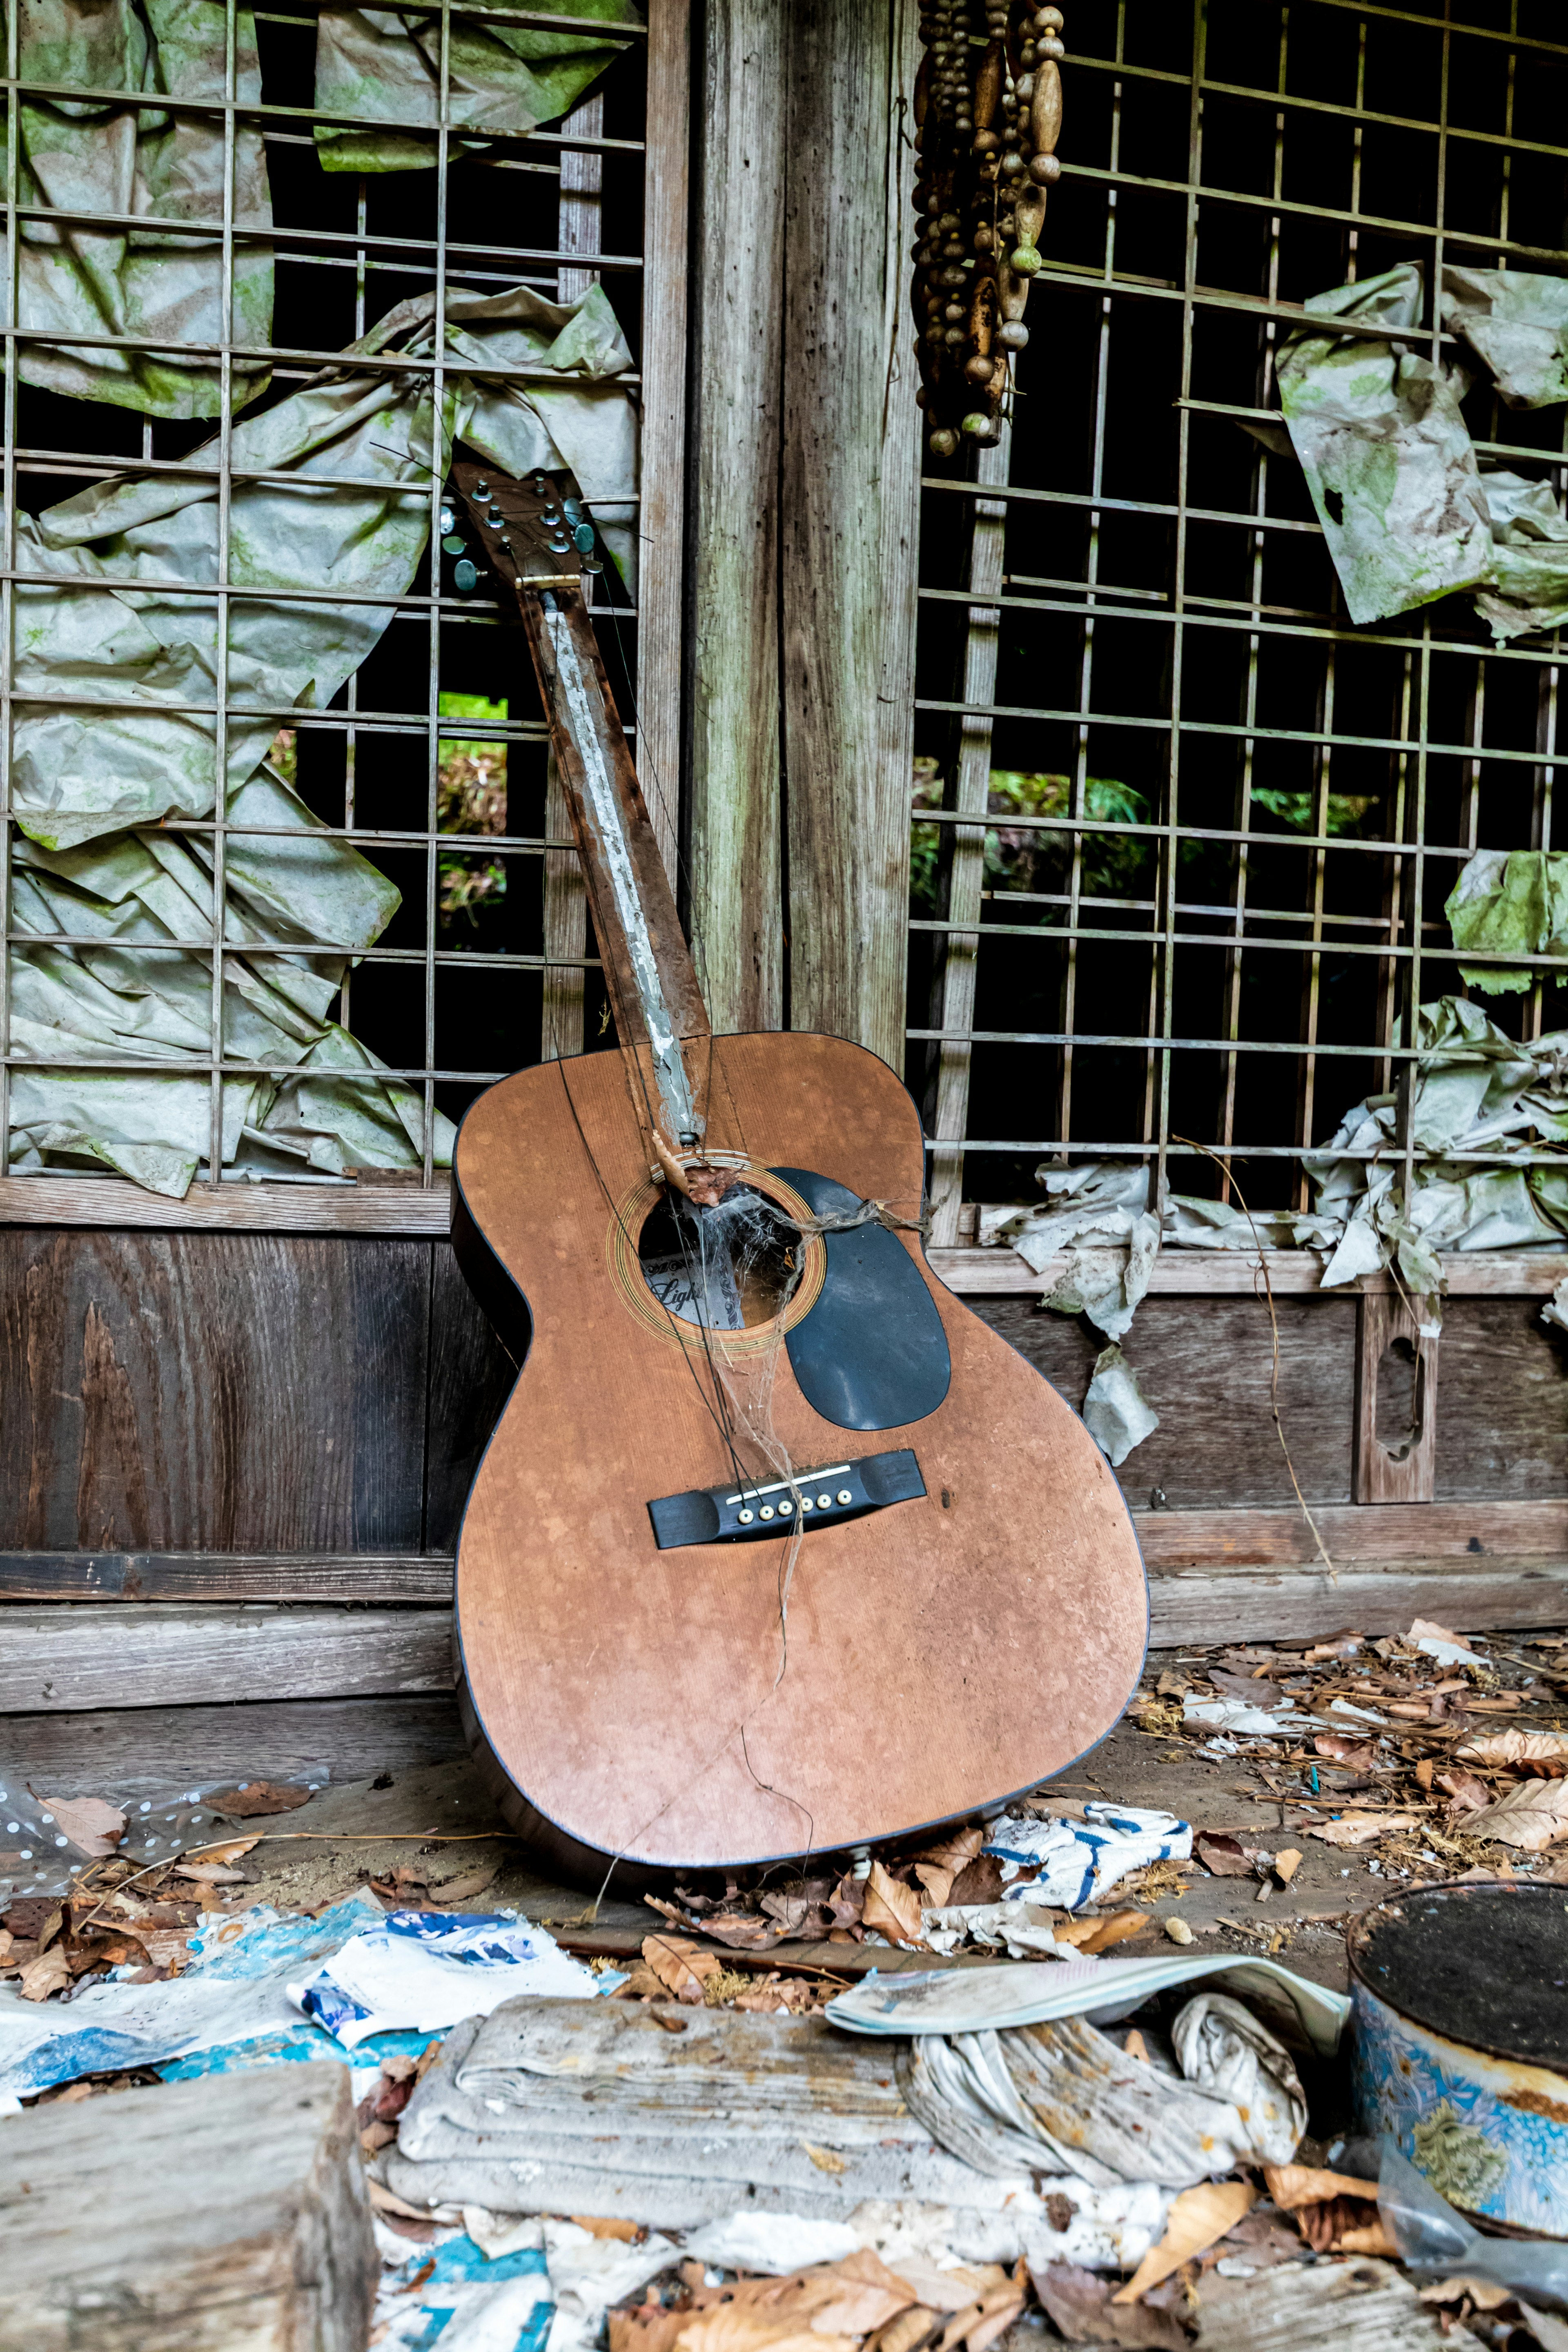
x: 940, y: 1655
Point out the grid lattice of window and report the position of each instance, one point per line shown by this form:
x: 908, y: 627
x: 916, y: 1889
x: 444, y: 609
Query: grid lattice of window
x: 432, y: 759
x: 1220, y: 823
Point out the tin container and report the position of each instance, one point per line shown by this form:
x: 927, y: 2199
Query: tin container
x: 1459, y: 2013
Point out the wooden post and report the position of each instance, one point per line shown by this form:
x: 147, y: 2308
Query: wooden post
x: 1394, y: 1466
x: 805, y: 497
x: 661, y: 517
x: 736, y: 905
x: 849, y: 497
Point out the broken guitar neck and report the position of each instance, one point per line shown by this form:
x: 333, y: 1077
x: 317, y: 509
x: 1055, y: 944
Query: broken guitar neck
x: 658, y: 1005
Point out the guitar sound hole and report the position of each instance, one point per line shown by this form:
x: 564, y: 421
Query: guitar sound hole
x: 730, y: 1267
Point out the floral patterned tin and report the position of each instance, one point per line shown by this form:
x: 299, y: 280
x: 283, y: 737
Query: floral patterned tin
x: 1459, y: 2018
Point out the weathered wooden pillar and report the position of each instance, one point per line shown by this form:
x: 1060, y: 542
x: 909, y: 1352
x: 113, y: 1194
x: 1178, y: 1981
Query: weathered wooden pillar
x: 735, y: 837
x: 805, y: 511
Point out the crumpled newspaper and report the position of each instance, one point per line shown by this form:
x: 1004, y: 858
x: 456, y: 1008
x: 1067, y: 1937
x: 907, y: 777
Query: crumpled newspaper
x: 502, y: 80
x: 112, y: 751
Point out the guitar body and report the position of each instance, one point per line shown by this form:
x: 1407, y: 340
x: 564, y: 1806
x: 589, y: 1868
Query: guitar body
x: 941, y: 1653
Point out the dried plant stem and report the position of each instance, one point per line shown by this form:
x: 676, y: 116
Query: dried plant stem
x: 1224, y: 1167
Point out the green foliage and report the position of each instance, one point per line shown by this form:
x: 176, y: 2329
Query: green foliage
x: 1020, y: 858
x: 470, y: 797
x: 1345, y: 810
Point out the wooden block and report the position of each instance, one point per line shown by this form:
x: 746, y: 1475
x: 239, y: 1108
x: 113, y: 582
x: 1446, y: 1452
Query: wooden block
x: 161, y: 1748
x: 1394, y: 1463
x: 228, y: 2214
x: 55, y: 1659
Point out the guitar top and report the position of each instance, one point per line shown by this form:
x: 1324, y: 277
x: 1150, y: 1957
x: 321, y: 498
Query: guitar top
x: 777, y: 1549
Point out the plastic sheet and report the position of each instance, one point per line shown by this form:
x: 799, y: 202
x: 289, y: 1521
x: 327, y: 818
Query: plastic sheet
x: 425, y: 1969
x: 1438, y: 2242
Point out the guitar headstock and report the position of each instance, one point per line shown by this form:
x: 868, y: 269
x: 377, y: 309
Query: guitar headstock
x: 529, y: 531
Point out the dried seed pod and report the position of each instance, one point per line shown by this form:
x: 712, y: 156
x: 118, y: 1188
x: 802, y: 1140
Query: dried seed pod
x: 1046, y: 109
x: 1030, y: 212
x: 988, y: 86
x: 944, y: 442
x: 1012, y: 335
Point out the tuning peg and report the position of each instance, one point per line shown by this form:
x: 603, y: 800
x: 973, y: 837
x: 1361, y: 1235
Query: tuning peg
x: 465, y: 576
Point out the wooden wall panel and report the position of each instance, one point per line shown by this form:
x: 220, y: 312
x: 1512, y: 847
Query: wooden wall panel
x: 212, y: 1392
x: 81, y: 1755
x: 1204, y: 1365
x: 471, y: 1376
x: 1502, y: 1403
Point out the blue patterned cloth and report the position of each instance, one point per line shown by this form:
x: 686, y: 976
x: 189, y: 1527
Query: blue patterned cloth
x: 1078, y: 1862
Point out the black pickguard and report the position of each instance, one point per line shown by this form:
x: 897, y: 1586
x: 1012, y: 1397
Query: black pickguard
x: 872, y: 1353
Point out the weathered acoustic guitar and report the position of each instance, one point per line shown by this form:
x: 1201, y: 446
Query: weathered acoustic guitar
x: 777, y: 1549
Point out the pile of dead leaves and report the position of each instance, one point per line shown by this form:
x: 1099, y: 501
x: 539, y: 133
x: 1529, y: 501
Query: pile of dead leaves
x: 115, y: 1916
x: 414, y: 1887
x: 1405, y: 1753
x: 673, y: 1967
x: 888, y: 1901
x: 830, y: 2308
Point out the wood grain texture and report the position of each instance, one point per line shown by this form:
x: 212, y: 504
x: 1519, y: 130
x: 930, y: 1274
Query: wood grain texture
x: 736, y: 840
x: 229, y: 1208
x: 1222, y: 1273
x: 265, y: 1740
x: 1199, y: 1607
x: 66, y: 1660
x: 241, y: 2222
x: 212, y: 1392
x: 470, y: 1377
x: 1364, y: 1535
x: 129, y: 1576
x: 940, y: 1655
x: 1203, y: 1364
x: 1394, y: 1465
x: 661, y: 613
x: 1502, y: 1429
x: 849, y: 500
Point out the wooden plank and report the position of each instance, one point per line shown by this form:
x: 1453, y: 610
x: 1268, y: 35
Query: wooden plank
x: 737, y: 913
x: 250, y: 1392
x: 1194, y: 1607
x: 1395, y: 1358
x: 158, y: 1748
x: 1216, y: 1274
x: 240, y: 2219
x: 661, y: 615
x: 229, y: 1208
x: 391, y: 1580
x: 470, y: 1377
x: 1363, y: 1536
x: 60, y: 1659
x: 1502, y: 1426
x: 848, y: 497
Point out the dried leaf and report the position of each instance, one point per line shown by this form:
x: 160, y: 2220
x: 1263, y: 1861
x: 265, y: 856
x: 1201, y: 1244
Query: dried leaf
x: 598, y: 2226
x: 1197, y: 2217
x: 1532, y: 1817
x: 1541, y: 1753
x: 893, y: 1909
x: 954, y: 1853
x: 826, y: 2159
x: 1115, y: 1930
x: 907, y: 2332
x: 1363, y: 1829
x: 453, y: 1891
x: 681, y: 1967
x: 742, y: 2327
x: 1242, y: 1687
x: 166, y: 1947
x: 1369, y: 2238
x: 1424, y: 1771
x: 1326, y: 2224
x: 979, y: 1880
x: 1286, y: 1863
x: 1292, y: 2185
x: 1225, y: 1856
x: 210, y: 1874
x: 230, y: 1850
x: 1079, y: 2306
x: 1465, y: 1793
x: 48, y: 1973
x: 937, y: 1882
x: 259, y: 1797
x: 93, y: 1826
x: 1356, y: 1754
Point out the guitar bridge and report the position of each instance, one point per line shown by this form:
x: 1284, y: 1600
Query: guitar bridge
x: 741, y: 1512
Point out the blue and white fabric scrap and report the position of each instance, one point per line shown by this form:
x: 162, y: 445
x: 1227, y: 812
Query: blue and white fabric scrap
x: 505, y: 2304
x: 1071, y: 1862
x: 425, y: 1969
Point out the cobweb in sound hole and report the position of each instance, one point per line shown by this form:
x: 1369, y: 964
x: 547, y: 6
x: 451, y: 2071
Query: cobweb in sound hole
x: 728, y: 1268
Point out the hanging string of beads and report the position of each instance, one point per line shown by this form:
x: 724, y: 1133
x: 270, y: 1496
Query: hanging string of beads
x: 988, y: 113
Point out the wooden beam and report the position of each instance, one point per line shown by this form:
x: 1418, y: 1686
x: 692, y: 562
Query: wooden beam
x: 1220, y: 1274
x: 60, y: 1660
x: 1196, y: 1608
x: 661, y: 618
x: 245, y: 2197
x: 230, y: 1208
x: 377, y: 1579
x: 265, y: 1739
x: 1364, y: 1534
x: 736, y: 846
x: 849, y: 494
x: 1397, y: 1465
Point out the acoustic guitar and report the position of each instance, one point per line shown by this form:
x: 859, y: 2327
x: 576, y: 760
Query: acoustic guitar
x: 777, y: 1549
